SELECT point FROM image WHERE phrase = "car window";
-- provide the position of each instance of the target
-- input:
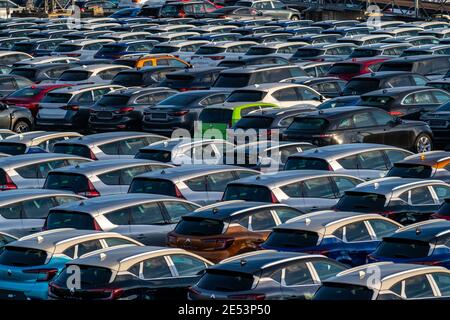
(110, 178)
(186, 265)
(85, 98)
(382, 228)
(306, 94)
(156, 268)
(112, 242)
(12, 211)
(196, 184)
(284, 214)
(88, 246)
(418, 287)
(382, 118)
(443, 282)
(147, 214)
(119, 217)
(37, 208)
(421, 196)
(441, 97)
(327, 269)
(176, 209)
(45, 167)
(318, 188)
(288, 94)
(297, 274)
(442, 192)
(372, 160)
(262, 220)
(396, 155)
(345, 183)
(127, 175)
(218, 181)
(131, 146)
(111, 148)
(28, 172)
(363, 119)
(356, 231)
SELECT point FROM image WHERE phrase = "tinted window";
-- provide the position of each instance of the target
(155, 155)
(63, 181)
(146, 214)
(74, 75)
(186, 265)
(382, 228)
(361, 202)
(340, 291)
(225, 281)
(406, 170)
(12, 148)
(156, 186)
(262, 220)
(156, 268)
(177, 209)
(216, 115)
(64, 219)
(327, 269)
(357, 231)
(297, 274)
(199, 226)
(284, 238)
(37, 208)
(228, 80)
(402, 248)
(302, 163)
(248, 193)
(309, 124)
(22, 257)
(418, 287)
(73, 149)
(92, 276)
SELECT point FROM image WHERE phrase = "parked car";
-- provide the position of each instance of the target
(46, 72)
(10, 83)
(346, 70)
(431, 66)
(14, 118)
(81, 49)
(91, 74)
(201, 78)
(439, 124)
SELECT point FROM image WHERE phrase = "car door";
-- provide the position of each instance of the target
(298, 282)
(421, 204)
(34, 213)
(157, 279)
(366, 130)
(260, 224)
(10, 219)
(393, 132)
(318, 194)
(148, 225)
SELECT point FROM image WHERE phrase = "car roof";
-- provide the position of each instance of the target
(100, 138)
(96, 167)
(23, 194)
(429, 158)
(397, 91)
(31, 136)
(24, 159)
(426, 231)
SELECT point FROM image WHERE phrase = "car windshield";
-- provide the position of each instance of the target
(405, 66)
(376, 101)
(247, 193)
(410, 170)
(364, 53)
(210, 50)
(343, 291)
(22, 257)
(55, 97)
(67, 48)
(286, 238)
(164, 49)
(74, 75)
(402, 248)
(196, 226)
(246, 96)
(179, 100)
(12, 148)
(129, 79)
(26, 73)
(25, 93)
(255, 51)
(361, 202)
(67, 181)
(74, 149)
(304, 163)
(308, 53)
(155, 155)
(91, 276)
(67, 219)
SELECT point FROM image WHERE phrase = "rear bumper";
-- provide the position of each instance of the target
(23, 290)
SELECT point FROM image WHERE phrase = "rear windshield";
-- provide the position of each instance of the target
(402, 248)
(216, 115)
(375, 101)
(359, 86)
(155, 155)
(361, 202)
(342, 291)
(407, 170)
(260, 51)
(155, 186)
(247, 192)
(210, 50)
(405, 66)
(225, 281)
(282, 238)
(67, 48)
(164, 49)
(309, 124)
(363, 53)
(23, 47)
(303, 163)
(408, 53)
(113, 100)
(111, 48)
(194, 226)
(231, 64)
(179, 100)
(65, 219)
(67, 181)
(25, 92)
(91, 276)
(54, 97)
(339, 68)
(125, 62)
(22, 257)
(246, 96)
(74, 75)
(12, 148)
(444, 210)
(254, 122)
(128, 79)
(27, 73)
(230, 80)
(307, 53)
(73, 149)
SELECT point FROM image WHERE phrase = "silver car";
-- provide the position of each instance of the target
(109, 145)
(144, 217)
(30, 170)
(362, 160)
(24, 211)
(99, 177)
(306, 190)
(202, 184)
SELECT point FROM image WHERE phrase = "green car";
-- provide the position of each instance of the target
(224, 116)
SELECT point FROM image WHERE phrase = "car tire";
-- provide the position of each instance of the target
(295, 17)
(423, 143)
(21, 126)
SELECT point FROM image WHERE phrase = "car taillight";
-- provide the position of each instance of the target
(181, 14)
(43, 274)
(96, 225)
(90, 192)
(9, 184)
(396, 113)
(124, 110)
(254, 296)
(70, 108)
(387, 213)
(273, 198)
(217, 57)
(178, 113)
(219, 243)
(171, 239)
(330, 168)
(178, 193)
(92, 155)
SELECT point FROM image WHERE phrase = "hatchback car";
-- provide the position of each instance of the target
(10, 83)
(36, 259)
(265, 275)
(346, 237)
(45, 72)
(439, 122)
(225, 229)
(307, 190)
(141, 60)
(120, 48)
(82, 48)
(90, 74)
(431, 66)
(144, 217)
(108, 145)
(192, 79)
(405, 200)
(426, 242)
(98, 178)
(132, 273)
(362, 160)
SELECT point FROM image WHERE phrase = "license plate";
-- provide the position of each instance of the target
(158, 116)
(104, 115)
(438, 123)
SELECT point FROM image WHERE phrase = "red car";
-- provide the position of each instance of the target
(355, 67)
(29, 97)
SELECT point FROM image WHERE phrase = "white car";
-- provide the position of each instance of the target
(95, 74)
(282, 94)
(183, 49)
(82, 49)
(211, 54)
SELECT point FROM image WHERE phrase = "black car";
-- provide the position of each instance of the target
(359, 124)
(252, 60)
(406, 102)
(338, 102)
(439, 122)
(10, 83)
(329, 87)
(143, 77)
(380, 80)
(124, 109)
(37, 47)
(131, 273)
(42, 72)
(443, 84)
(431, 66)
(17, 119)
(180, 111)
(192, 79)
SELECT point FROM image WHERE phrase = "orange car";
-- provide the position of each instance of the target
(151, 60)
(225, 229)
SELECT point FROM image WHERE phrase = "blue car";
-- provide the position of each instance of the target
(126, 13)
(426, 242)
(347, 237)
(117, 49)
(28, 264)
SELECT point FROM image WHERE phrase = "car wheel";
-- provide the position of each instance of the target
(21, 126)
(423, 143)
(295, 18)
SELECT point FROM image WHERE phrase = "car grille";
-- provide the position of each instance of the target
(437, 123)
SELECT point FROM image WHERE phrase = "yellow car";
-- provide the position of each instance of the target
(151, 60)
